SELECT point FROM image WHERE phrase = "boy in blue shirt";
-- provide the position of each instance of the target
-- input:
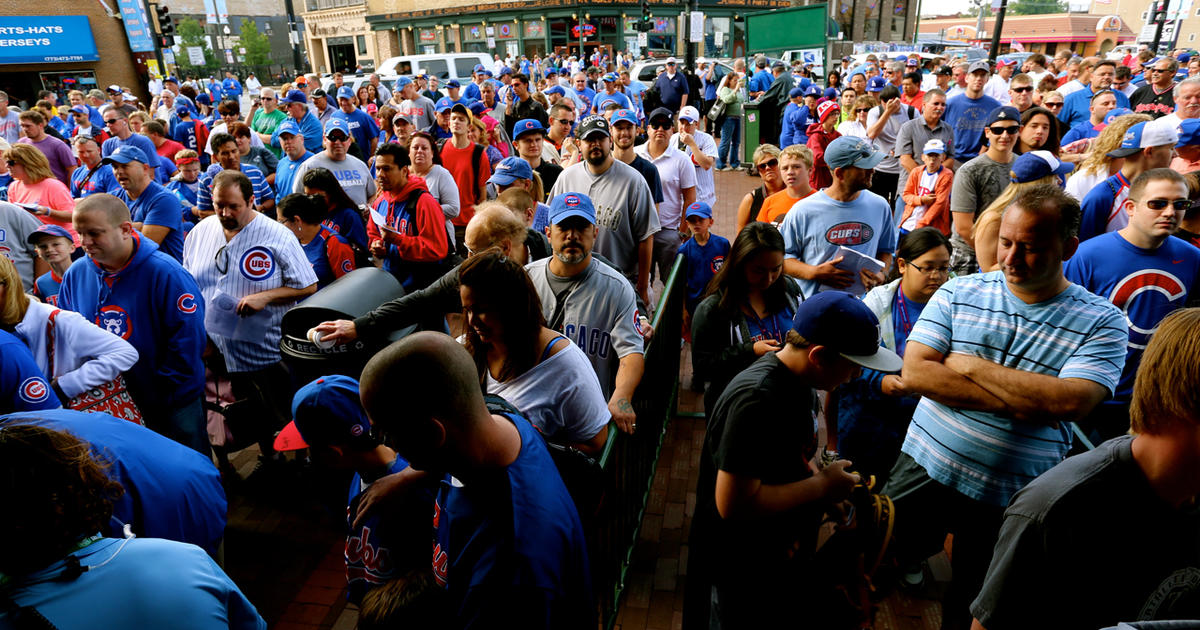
(54, 245)
(703, 254)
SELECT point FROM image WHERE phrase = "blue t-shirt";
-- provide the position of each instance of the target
(5, 180)
(23, 387)
(102, 181)
(761, 81)
(1103, 207)
(1082, 131)
(46, 288)
(604, 97)
(141, 142)
(967, 117)
(773, 327)
(795, 122)
(140, 583)
(986, 456)
(703, 262)
(285, 174)
(185, 134)
(159, 206)
(817, 225)
(1076, 104)
(1147, 285)
(330, 256)
(586, 97)
(362, 127)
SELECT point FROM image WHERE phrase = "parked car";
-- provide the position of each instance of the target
(459, 66)
(647, 71)
(355, 81)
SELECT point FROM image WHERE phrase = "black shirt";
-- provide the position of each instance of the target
(549, 173)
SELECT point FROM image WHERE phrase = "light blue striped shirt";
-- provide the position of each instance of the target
(262, 189)
(990, 457)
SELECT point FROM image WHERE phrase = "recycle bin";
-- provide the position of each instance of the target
(750, 125)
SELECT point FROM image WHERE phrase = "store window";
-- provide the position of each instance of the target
(843, 14)
(899, 21)
(871, 21)
(362, 45)
(661, 41)
(717, 37)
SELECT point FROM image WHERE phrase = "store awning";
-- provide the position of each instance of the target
(46, 39)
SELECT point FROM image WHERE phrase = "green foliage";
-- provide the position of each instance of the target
(191, 33)
(257, 45)
(1036, 7)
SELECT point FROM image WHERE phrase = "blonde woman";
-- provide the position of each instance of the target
(35, 188)
(1097, 166)
(1028, 170)
(766, 163)
(857, 125)
(137, 121)
(84, 355)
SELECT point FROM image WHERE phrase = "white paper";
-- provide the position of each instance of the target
(381, 221)
(854, 261)
(221, 319)
(697, 27)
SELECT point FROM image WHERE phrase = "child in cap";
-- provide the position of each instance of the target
(186, 186)
(819, 137)
(703, 254)
(55, 246)
(927, 192)
(331, 423)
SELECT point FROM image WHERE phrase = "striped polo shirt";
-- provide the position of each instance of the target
(986, 456)
(262, 189)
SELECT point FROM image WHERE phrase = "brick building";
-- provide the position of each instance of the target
(1084, 33)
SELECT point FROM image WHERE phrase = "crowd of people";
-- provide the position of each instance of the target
(952, 275)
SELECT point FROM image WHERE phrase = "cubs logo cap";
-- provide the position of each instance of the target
(402, 82)
(327, 412)
(1034, 165)
(852, 151)
(913, 62)
(689, 114)
(346, 92)
(569, 205)
(698, 209)
(842, 323)
(527, 126)
(453, 83)
(479, 68)
(876, 84)
(1153, 133)
(1189, 132)
(611, 77)
(288, 126)
(336, 124)
(624, 115)
(1115, 114)
(591, 126)
(509, 170)
(443, 105)
(46, 230)
(292, 96)
(126, 154)
(827, 109)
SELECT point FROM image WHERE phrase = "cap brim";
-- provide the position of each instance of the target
(502, 180)
(567, 214)
(883, 360)
(289, 439)
(870, 161)
(1064, 168)
(592, 132)
(1120, 153)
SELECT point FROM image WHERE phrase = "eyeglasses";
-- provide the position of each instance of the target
(931, 270)
(109, 121)
(771, 163)
(862, 109)
(661, 124)
(566, 122)
(1157, 70)
(337, 138)
(222, 255)
(1022, 90)
(1013, 130)
(1179, 205)
(1049, 104)
(268, 98)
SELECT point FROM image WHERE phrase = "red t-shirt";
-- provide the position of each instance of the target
(168, 150)
(458, 162)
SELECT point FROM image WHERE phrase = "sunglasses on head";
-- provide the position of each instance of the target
(1003, 130)
(1179, 205)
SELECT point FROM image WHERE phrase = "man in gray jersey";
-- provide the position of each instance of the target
(16, 224)
(351, 172)
(625, 211)
(419, 110)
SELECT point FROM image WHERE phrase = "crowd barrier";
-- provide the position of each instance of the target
(628, 461)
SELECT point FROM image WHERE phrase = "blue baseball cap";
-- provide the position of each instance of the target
(204, 99)
(611, 77)
(814, 90)
(1034, 165)
(477, 108)
(479, 68)
(171, 79)
(402, 82)
(569, 205)
(345, 92)
(876, 84)
(453, 83)
(327, 412)
(1189, 132)
(509, 170)
(527, 126)
(698, 209)
(48, 229)
(180, 109)
(796, 92)
(852, 151)
(1153, 133)
(1115, 114)
(551, 70)
(831, 92)
(623, 115)
(126, 154)
(505, 70)
(555, 89)
(443, 104)
(841, 322)
(1184, 57)
(292, 96)
(1004, 112)
(288, 126)
(336, 124)
(81, 109)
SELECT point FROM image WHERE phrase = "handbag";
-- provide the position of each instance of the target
(111, 398)
(718, 108)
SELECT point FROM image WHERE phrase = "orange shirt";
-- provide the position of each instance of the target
(776, 206)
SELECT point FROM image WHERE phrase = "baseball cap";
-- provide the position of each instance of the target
(876, 84)
(852, 151)
(505, 70)
(945, 71)
(527, 126)
(1151, 133)
(1006, 62)
(1189, 132)
(689, 114)
(1004, 112)
(1115, 114)
(487, 73)
(935, 146)
(660, 112)
(842, 323)
(402, 82)
(48, 229)
(671, 60)
(847, 58)
(624, 115)
(443, 104)
(453, 83)
(477, 108)
(551, 71)
(115, 89)
(459, 108)
(319, 93)
(80, 109)
(554, 89)
(126, 154)
(326, 411)
(569, 205)
(1184, 57)
(831, 92)
(979, 66)
(292, 96)
(814, 90)
(301, 80)
(180, 109)
(611, 77)
(479, 68)
(345, 92)
(336, 124)
(824, 110)
(171, 79)
(698, 209)
(778, 64)
(1034, 165)
(795, 92)
(509, 170)
(401, 117)
(590, 125)
(288, 126)
(205, 99)
(913, 62)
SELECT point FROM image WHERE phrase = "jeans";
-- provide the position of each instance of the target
(731, 140)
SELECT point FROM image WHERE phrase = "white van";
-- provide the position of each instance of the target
(459, 66)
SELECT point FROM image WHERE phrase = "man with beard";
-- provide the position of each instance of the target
(625, 214)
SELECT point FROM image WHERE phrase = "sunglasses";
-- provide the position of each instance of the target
(661, 124)
(110, 121)
(863, 109)
(566, 122)
(1156, 70)
(1049, 104)
(221, 260)
(10, 163)
(1179, 205)
(771, 163)
(1022, 90)
(1003, 130)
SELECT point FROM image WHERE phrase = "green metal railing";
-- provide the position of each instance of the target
(629, 461)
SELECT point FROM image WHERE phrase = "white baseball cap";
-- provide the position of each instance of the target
(935, 146)
(689, 114)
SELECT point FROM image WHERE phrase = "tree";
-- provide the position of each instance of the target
(257, 45)
(1036, 7)
(191, 33)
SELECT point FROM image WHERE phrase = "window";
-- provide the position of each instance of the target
(465, 66)
(1192, 37)
(362, 44)
(436, 67)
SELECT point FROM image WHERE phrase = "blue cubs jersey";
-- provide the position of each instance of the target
(159, 206)
(349, 223)
(46, 287)
(102, 181)
(23, 387)
(330, 255)
(703, 262)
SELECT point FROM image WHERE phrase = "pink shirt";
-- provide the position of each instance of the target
(50, 193)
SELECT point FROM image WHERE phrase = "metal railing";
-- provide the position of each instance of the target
(629, 461)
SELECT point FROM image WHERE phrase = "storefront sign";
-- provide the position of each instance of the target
(534, 29)
(137, 25)
(428, 35)
(534, 5)
(46, 39)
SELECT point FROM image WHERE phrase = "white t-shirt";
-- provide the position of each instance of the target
(220, 127)
(997, 88)
(675, 172)
(924, 187)
(1080, 184)
(1070, 87)
(561, 396)
(1037, 77)
(706, 189)
(853, 128)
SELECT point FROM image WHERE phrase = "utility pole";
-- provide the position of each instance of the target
(294, 36)
(1159, 16)
(996, 31)
(689, 57)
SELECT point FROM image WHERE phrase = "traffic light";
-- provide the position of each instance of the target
(646, 24)
(166, 26)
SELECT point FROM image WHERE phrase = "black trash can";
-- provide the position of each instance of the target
(351, 296)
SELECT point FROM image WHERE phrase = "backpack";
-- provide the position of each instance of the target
(476, 158)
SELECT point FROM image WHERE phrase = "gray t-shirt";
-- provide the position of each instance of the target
(624, 210)
(16, 224)
(441, 185)
(915, 133)
(351, 173)
(599, 314)
(420, 110)
(976, 185)
(886, 140)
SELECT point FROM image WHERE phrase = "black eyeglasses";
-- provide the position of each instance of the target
(1003, 130)
(337, 139)
(566, 122)
(931, 270)
(1049, 104)
(862, 109)
(1179, 205)
(222, 254)
(1022, 90)
(1157, 70)
(109, 121)
(661, 124)
(771, 163)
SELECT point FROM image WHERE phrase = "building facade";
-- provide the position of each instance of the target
(337, 36)
(870, 22)
(1084, 34)
(1183, 20)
